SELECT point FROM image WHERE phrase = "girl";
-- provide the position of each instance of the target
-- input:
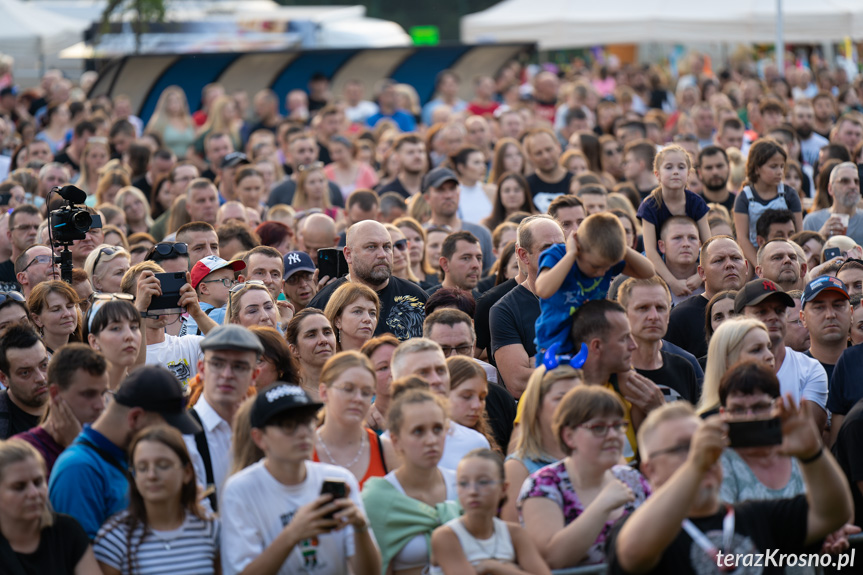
(163, 530)
(54, 311)
(763, 190)
(313, 192)
(401, 256)
(114, 328)
(513, 195)
(719, 308)
(476, 196)
(416, 237)
(671, 167)
(353, 311)
(312, 342)
(574, 161)
(347, 388)
(251, 303)
(172, 121)
(276, 235)
(346, 171)
(478, 542)
(106, 265)
(467, 393)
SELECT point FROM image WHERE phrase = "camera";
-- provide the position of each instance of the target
(71, 222)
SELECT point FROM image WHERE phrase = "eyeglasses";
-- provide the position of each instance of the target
(350, 390)
(480, 484)
(601, 429)
(11, 295)
(237, 367)
(43, 259)
(309, 167)
(400, 245)
(681, 449)
(227, 282)
(25, 227)
(108, 251)
(755, 409)
(166, 251)
(460, 350)
(299, 277)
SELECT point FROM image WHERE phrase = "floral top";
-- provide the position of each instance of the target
(553, 482)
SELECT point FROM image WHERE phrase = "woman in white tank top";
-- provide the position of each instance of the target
(475, 201)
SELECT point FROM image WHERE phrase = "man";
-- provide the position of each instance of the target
(329, 122)
(851, 274)
(594, 198)
(53, 175)
(357, 108)
(647, 303)
(423, 357)
(160, 165)
(778, 262)
(413, 163)
(227, 170)
(460, 263)
(392, 207)
(202, 201)
(173, 257)
(369, 253)
(826, 314)
(298, 283)
(550, 179)
(388, 108)
(71, 155)
(23, 229)
(303, 150)
(638, 158)
(23, 370)
(774, 225)
(89, 480)
(317, 232)
(217, 145)
(713, 171)
(843, 217)
(511, 124)
(201, 241)
(35, 265)
(512, 320)
(731, 134)
(77, 383)
(441, 191)
(824, 107)
(679, 243)
(722, 267)
(446, 94)
(796, 334)
(40, 150)
(568, 211)
(212, 278)
(705, 124)
(680, 457)
(265, 264)
(360, 205)
(848, 132)
(229, 368)
(798, 374)
(802, 119)
(266, 106)
(479, 135)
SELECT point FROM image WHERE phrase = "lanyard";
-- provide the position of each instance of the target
(705, 543)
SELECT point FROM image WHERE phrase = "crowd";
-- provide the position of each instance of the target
(506, 335)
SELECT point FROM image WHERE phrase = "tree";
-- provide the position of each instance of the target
(145, 11)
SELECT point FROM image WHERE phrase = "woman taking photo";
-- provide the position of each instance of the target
(476, 196)
(163, 530)
(346, 171)
(251, 303)
(513, 195)
(134, 204)
(467, 392)
(569, 507)
(276, 363)
(33, 539)
(113, 327)
(54, 311)
(313, 192)
(172, 121)
(418, 496)
(380, 350)
(346, 389)
(312, 342)
(416, 237)
(401, 256)
(353, 311)
(106, 265)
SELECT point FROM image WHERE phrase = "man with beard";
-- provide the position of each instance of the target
(713, 170)
(550, 179)
(848, 132)
(413, 163)
(460, 262)
(679, 243)
(777, 261)
(803, 118)
(843, 217)
(23, 372)
(369, 253)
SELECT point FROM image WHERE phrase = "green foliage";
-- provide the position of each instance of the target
(144, 10)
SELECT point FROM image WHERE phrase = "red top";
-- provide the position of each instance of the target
(377, 467)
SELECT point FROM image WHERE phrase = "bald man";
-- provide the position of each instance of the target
(318, 232)
(369, 253)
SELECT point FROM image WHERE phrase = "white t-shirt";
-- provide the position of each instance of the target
(255, 508)
(179, 354)
(803, 377)
(474, 204)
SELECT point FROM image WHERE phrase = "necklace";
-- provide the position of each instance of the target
(333, 459)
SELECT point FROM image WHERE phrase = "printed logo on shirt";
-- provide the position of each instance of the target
(181, 371)
(576, 299)
(308, 548)
(406, 316)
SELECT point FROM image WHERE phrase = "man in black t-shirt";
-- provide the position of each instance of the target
(680, 457)
(24, 371)
(826, 313)
(550, 179)
(413, 164)
(303, 150)
(369, 253)
(846, 449)
(71, 155)
(713, 171)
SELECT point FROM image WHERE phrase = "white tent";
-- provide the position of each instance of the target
(557, 24)
(34, 37)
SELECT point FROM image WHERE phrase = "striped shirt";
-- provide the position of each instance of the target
(189, 550)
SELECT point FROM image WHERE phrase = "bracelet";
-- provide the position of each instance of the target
(812, 458)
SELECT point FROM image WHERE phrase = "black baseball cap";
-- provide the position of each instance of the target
(756, 291)
(154, 388)
(279, 398)
(234, 159)
(437, 178)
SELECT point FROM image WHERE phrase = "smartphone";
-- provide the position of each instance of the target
(337, 488)
(831, 253)
(332, 263)
(168, 302)
(755, 432)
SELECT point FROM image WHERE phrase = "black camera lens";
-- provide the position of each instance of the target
(82, 221)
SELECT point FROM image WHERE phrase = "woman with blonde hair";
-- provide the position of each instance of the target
(106, 266)
(95, 155)
(353, 311)
(347, 388)
(244, 451)
(415, 234)
(251, 303)
(346, 171)
(55, 313)
(110, 184)
(172, 121)
(134, 204)
(313, 191)
(401, 256)
(223, 118)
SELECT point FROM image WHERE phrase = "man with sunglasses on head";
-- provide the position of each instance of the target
(24, 224)
(172, 257)
(212, 277)
(34, 266)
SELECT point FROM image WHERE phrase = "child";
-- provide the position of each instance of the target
(479, 542)
(581, 270)
(763, 190)
(212, 277)
(671, 198)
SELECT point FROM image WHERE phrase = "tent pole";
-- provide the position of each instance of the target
(780, 44)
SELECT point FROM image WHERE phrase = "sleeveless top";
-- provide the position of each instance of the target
(474, 205)
(756, 208)
(377, 467)
(498, 546)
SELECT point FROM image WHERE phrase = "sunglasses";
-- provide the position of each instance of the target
(97, 300)
(11, 295)
(43, 259)
(167, 251)
(309, 167)
(109, 251)
(400, 245)
(239, 287)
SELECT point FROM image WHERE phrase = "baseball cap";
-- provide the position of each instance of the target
(154, 388)
(820, 284)
(9, 91)
(437, 177)
(279, 398)
(234, 159)
(297, 262)
(756, 291)
(206, 266)
(232, 336)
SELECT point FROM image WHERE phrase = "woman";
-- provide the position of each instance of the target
(630, 227)
(13, 309)
(54, 311)
(719, 308)
(276, 363)
(96, 154)
(56, 128)
(476, 199)
(569, 507)
(244, 451)
(353, 311)
(467, 392)
(418, 495)
(507, 264)
(251, 303)
(164, 529)
(513, 195)
(508, 158)
(106, 265)
(313, 192)
(574, 162)
(415, 234)
(161, 196)
(38, 540)
(401, 256)
(345, 171)
(380, 350)
(109, 185)
(276, 235)
(114, 236)
(534, 445)
(113, 327)
(479, 542)
(249, 188)
(222, 118)
(434, 242)
(736, 339)
(346, 389)
(312, 342)
(172, 121)
(134, 204)
(855, 337)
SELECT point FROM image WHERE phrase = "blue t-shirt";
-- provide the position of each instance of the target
(403, 120)
(553, 323)
(648, 211)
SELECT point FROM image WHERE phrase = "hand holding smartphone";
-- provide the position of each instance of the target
(335, 487)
